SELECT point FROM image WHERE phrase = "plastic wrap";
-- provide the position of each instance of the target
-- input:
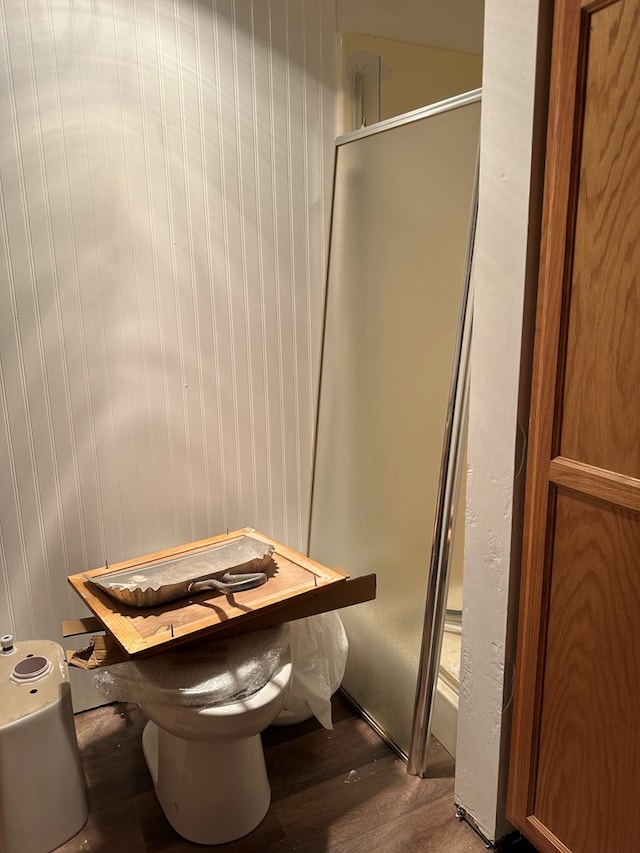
(319, 648)
(212, 673)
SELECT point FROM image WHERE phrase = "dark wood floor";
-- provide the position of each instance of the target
(339, 791)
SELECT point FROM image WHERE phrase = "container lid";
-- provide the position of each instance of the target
(30, 679)
(30, 669)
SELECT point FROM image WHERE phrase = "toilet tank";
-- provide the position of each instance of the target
(42, 791)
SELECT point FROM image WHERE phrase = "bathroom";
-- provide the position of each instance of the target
(221, 417)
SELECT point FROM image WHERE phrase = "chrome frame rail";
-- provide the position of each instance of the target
(414, 115)
(438, 583)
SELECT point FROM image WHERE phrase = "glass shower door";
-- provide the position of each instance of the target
(402, 205)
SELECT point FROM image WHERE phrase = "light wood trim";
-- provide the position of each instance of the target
(275, 611)
(596, 482)
(103, 651)
(557, 194)
(301, 589)
(353, 591)
(537, 829)
(75, 627)
(592, 6)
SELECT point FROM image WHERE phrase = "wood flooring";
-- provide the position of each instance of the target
(338, 791)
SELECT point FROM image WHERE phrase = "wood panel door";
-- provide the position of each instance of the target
(575, 758)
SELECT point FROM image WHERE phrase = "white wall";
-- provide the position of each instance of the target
(411, 75)
(504, 269)
(454, 24)
(165, 179)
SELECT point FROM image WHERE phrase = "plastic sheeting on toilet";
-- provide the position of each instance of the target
(226, 670)
(211, 673)
(319, 648)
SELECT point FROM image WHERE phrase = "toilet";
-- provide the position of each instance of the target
(207, 708)
(207, 764)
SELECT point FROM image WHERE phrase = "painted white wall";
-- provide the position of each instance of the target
(165, 186)
(497, 418)
(454, 24)
(411, 76)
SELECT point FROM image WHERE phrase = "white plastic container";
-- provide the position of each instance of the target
(42, 792)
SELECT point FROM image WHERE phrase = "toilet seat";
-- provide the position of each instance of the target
(241, 718)
(217, 672)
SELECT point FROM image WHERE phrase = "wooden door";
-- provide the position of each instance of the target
(575, 760)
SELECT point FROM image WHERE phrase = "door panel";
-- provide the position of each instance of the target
(601, 392)
(591, 683)
(575, 754)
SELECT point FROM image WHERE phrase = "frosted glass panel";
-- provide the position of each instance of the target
(398, 246)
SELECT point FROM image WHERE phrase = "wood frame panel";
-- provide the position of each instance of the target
(299, 587)
(596, 482)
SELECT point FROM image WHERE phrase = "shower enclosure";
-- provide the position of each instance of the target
(398, 270)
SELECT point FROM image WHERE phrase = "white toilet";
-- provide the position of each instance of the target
(207, 707)
(207, 764)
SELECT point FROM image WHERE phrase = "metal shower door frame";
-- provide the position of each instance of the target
(450, 466)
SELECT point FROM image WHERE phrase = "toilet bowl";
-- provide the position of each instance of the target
(207, 704)
(207, 762)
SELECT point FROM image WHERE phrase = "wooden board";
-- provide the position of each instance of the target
(296, 587)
